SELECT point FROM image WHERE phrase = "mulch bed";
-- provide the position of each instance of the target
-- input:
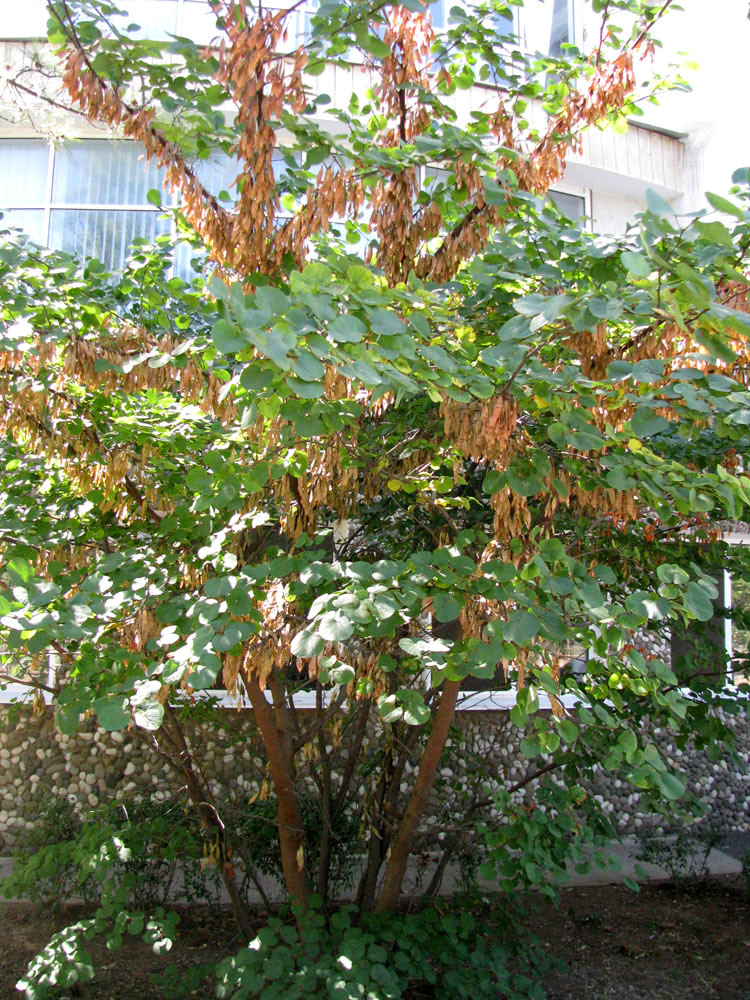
(667, 942)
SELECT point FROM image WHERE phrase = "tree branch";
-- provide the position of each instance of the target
(423, 783)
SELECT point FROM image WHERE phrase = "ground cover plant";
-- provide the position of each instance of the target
(665, 942)
(404, 428)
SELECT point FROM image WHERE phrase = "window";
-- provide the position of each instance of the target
(159, 19)
(540, 25)
(88, 198)
(545, 26)
(194, 19)
(572, 205)
(701, 651)
(298, 26)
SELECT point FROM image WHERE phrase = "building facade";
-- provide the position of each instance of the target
(89, 197)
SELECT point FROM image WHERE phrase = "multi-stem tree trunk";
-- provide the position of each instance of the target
(425, 779)
(389, 843)
(201, 798)
(288, 814)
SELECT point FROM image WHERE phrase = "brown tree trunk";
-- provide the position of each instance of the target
(377, 844)
(326, 816)
(407, 828)
(288, 815)
(206, 809)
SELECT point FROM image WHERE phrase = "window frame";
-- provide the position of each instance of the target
(48, 205)
(583, 194)
(517, 16)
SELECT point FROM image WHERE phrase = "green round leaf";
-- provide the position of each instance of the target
(446, 607)
(111, 712)
(335, 627)
(307, 644)
(149, 715)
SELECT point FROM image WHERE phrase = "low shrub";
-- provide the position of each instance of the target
(46, 858)
(683, 856)
(255, 827)
(159, 851)
(136, 845)
(383, 958)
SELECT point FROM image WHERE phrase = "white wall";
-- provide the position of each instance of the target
(714, 35)
(612, 214)
(27, 19)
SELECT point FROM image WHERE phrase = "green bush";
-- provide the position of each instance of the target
(46, 862)
(256, 829)
(126, 855)
(135, 845)
(683, 855)
(162, 844)
(158, 851)
(65, 961)
(379, 959)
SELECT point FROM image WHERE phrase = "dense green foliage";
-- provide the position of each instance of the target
(376, 479)
(453, 953)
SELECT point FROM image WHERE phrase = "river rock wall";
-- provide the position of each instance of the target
(93, 768)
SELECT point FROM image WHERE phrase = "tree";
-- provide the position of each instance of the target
(374, 474)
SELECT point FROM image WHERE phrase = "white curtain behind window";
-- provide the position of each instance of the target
(23, 173)
(92, 172)
(105, 235)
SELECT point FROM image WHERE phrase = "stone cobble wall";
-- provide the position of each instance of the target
(94, 768)
(723, 786)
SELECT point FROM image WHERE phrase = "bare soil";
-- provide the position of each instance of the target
(668, 942)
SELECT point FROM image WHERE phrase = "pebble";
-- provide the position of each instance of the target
(92, 768)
